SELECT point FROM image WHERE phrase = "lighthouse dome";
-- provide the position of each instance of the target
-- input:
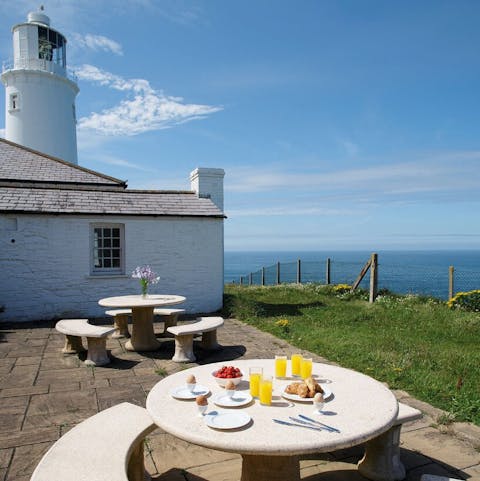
(38, 17)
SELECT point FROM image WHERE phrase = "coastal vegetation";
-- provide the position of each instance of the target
(413, 343)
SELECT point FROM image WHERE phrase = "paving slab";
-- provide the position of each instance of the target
(44, 394)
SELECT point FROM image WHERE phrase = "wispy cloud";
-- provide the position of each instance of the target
(144, 109)
(447, 172)
(289, 210)
(97, 43)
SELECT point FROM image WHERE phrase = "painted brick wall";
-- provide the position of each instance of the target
(45, 264)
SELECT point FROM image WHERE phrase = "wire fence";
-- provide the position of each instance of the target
(398, 278)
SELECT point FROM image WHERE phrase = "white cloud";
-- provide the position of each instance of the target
(289, 209)
(443, 172)
(144, 109)
(97, 43)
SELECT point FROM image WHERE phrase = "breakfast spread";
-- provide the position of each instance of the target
(304, 389)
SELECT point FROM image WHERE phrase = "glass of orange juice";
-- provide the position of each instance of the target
(296, 360)
(306, 367)
(255, 377)
(280, 366)
(266, 387)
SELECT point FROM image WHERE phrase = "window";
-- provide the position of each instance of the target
(107, 248)
(14, 103)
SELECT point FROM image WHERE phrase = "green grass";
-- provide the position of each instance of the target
(413, 343)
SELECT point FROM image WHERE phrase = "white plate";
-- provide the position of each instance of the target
(240, 398)
(295, 397)
(227, 419)
(182, 392)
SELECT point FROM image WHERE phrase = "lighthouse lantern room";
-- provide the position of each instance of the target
(40, 94)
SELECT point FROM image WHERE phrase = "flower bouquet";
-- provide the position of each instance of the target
(146, 276)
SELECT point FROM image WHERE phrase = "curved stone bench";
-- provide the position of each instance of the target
(104, 447)
(120, 319)
(207, 326)
(120, 322)
(381, 461)
(75, 329)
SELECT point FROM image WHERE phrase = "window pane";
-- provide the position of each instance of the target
(107, 248)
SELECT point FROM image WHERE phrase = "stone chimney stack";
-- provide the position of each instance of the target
(208, 183)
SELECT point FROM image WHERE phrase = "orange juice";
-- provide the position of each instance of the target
(255, 377)
(280, 366)
(306, 368)
(255, 383)
(266, 390)
(296, 360)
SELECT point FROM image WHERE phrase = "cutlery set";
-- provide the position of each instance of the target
(308, 423)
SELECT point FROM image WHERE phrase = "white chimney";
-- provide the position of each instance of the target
(208, 183)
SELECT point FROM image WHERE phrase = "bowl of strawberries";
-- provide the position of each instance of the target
(227, 373)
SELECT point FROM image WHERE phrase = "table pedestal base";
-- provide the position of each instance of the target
(382, 457)
(143, 337)
(270, 468)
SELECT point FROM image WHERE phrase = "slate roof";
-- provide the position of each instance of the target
(31, 182)
(23, 164)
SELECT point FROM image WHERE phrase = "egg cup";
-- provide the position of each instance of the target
(202, 410)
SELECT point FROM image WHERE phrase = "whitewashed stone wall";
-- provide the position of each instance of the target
(45, 264)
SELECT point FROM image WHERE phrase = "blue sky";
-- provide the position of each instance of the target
(340, 124)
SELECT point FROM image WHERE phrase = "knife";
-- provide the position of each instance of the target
(330, 428)
(279, 421)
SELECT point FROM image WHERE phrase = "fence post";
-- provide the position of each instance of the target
(241, 280)
(278, 273)
(327, 273)
(373, 277)
(263, 276)
(299, 271)
(250, 279)
(451, 272)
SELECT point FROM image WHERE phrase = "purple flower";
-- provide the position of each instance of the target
(145, 274)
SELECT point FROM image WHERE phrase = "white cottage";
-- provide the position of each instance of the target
(70, 236)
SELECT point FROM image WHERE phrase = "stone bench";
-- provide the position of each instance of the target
(120, 319)
(207, 326)
(381, 461)
(104, 447)
(75, 329)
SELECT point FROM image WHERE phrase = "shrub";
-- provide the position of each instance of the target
(468, 301)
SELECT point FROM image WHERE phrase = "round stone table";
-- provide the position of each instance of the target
(143, 337)
(360, 408)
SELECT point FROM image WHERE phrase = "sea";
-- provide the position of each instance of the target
(403, 272)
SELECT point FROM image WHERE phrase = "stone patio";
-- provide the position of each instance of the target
(44, 394)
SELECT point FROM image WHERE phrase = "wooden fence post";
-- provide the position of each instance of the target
(327, 274)
(250, 279)
(263, 276)
(451, 272)
(299, 271)
(241, 280)
(373, 277)
(278, 273)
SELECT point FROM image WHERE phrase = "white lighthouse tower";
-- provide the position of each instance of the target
(40, 96)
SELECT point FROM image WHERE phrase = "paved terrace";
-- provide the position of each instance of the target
(43, 394)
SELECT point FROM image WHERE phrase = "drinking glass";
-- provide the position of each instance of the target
(280, 366)
(266, 387)
(255, 377)
(306, 367)
(296, 360)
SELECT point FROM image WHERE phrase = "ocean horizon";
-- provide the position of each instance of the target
(402, 271)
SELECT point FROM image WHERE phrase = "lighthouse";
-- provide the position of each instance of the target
(40, 94)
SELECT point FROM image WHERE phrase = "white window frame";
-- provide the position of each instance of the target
(14, 102)
(95, 256)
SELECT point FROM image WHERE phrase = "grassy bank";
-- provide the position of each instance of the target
(412, 343)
